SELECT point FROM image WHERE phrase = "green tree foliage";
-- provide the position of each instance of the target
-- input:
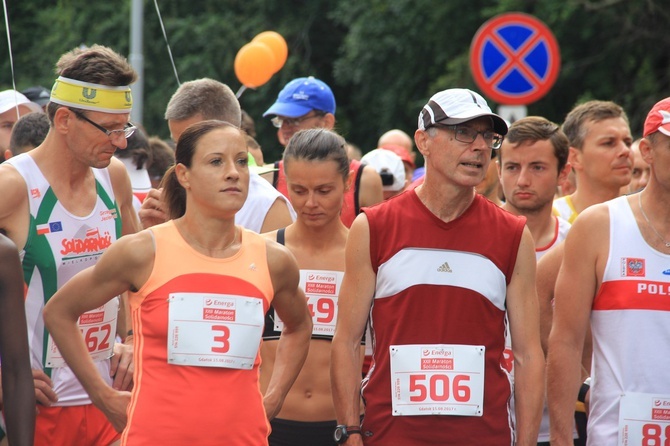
(383, 58)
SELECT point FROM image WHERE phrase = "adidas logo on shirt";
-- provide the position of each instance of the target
(444, 268)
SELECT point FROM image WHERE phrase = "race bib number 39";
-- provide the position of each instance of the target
(214, 330)
(644, 419)
(98, 327)
(437, 379)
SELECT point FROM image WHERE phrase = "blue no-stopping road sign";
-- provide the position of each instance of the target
(514, 59)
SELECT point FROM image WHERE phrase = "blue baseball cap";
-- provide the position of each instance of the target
(302, 95)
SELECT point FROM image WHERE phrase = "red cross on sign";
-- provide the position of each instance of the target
(514, 59)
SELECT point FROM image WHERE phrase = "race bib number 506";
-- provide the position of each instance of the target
(437, 379)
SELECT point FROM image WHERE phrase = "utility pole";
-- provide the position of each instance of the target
(136, 58)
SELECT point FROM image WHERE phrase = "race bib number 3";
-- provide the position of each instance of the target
(98, 327)
(437, 379)
(644, 419)
(214, 330)
(321, 289)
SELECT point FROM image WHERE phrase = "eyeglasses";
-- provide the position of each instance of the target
(294, 122)
(126, 131)
(468, 135)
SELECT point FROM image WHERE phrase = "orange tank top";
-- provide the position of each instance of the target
(190, 404)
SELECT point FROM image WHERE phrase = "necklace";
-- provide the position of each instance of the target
(639, 202)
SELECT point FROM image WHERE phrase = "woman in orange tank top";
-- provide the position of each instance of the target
(199, 288)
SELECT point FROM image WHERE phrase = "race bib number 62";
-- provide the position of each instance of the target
(437, 379)
(98, 328)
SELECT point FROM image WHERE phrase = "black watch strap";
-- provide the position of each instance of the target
(342, 433)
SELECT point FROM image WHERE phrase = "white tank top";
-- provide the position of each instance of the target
(262, 196)
(560, 232)
(59, 245)
(630, 322)
(564, 208)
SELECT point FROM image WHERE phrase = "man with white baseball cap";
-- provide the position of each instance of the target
(13, 105)
(441, 271)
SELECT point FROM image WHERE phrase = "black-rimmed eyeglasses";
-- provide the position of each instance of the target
(126, 131)
(468, 135)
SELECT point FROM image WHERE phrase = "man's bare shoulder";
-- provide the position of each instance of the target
(118, 173)
(132, 252)
(13, 188)
(593, 215)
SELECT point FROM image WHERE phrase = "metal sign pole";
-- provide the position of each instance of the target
(136, 59)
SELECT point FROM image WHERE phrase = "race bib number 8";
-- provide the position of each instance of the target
(644, 419)
(437, 379)
(98, 327)
(214, 330)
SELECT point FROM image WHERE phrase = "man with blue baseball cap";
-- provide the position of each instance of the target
(308, 103)
(304, 103)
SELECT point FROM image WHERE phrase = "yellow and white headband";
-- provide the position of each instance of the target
(94, 97)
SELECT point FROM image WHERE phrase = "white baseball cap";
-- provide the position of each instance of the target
(456, 106)
(389, 166)
(12, 98)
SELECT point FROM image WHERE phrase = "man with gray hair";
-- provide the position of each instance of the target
(439, 300)
(200, 100)
(265, 208)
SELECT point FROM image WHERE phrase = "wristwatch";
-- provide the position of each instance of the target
(342, 432)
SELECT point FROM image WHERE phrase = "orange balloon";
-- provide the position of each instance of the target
(278, 46)
(254, 64)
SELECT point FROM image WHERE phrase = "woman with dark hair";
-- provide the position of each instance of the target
(317, 174)
(199, 287)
